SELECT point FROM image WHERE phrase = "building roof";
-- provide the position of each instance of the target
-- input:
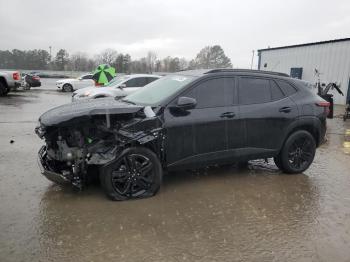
(307, 44)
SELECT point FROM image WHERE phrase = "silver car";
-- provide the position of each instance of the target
(118, 87)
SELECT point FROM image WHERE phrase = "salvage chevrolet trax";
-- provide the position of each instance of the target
(182, 121)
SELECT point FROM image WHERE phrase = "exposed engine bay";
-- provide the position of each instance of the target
(80, 142)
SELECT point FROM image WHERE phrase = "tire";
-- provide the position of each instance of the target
(7, 91)
(278, 161)
(123, 178)
(27, 87)
(3, 89)
(297, 153)
(67, 88)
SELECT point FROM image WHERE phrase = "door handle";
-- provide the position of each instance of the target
(285, 109)
(228, 115)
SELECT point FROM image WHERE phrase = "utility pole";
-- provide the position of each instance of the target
(50, 53)
(251, 64)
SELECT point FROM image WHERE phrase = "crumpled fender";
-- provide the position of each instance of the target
(85, 109)
(143, 131)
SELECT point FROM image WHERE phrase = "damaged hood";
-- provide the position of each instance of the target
(86, 108)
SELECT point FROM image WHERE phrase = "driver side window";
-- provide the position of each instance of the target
(217, 92)
(136, 82)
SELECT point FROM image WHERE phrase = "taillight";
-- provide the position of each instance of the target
(16, 76)
(325, 105)
(98, 84)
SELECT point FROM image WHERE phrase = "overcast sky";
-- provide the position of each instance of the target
(170, 27)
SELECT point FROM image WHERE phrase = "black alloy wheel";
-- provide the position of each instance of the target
(135, 174)
(297, 153)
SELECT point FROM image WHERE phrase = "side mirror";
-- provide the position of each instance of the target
(186, 103)
(122, 86)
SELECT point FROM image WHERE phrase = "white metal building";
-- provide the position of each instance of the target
(331, 59)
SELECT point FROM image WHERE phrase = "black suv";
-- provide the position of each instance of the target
(185, 120)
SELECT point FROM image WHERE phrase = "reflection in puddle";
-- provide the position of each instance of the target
(346, 143)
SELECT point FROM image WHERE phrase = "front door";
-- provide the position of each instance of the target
(198, 136)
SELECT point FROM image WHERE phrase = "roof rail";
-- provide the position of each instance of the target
(245, 71)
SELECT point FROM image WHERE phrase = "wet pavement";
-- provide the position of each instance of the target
(218, 214)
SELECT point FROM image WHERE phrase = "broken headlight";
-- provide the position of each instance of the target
(40, 130)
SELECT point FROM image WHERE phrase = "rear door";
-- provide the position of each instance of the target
(267, 112)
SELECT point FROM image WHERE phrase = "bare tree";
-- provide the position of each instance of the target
(151, 61)
(107, 56)
(79, 62)
(183, 63)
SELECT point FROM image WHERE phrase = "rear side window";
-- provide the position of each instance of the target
(276, 92)
(254, 91)
(151, 79)
(216, 92)
(87, 77)
(287, 88)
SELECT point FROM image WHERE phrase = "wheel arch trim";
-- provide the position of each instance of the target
(311, 124)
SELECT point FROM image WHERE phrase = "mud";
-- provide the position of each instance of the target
(219, 214)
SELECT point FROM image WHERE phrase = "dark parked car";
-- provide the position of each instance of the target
(32, 80)
(183, 121)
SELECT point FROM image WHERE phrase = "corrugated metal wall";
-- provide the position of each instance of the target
(332, 60)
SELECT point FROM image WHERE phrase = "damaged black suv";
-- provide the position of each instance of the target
(185, 120)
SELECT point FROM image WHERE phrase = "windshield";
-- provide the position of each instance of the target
(155, 92)
(117, 80)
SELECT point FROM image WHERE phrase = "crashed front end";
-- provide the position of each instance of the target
(77, 142)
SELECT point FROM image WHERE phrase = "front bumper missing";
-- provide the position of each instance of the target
(48, 172)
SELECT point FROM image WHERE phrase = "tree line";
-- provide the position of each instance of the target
(39, 59)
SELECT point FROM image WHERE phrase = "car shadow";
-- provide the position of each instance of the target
(16, 99)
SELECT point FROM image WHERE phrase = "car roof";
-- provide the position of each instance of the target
(143, 75)
(202, 72)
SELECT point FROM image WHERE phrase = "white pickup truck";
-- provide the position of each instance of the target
(9, 80)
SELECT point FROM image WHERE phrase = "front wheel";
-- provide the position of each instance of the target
(136, 173)
(297, 153)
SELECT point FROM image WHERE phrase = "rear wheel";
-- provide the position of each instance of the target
(67, 88)
(297, 153)
(3, 89)
(136, 173)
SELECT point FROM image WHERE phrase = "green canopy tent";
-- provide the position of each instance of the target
(103, 74)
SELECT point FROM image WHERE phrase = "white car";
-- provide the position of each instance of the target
(118, 87)
(71, 84)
